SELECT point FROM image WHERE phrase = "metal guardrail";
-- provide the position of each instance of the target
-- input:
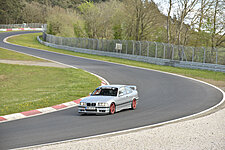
(24, 25)
(152, 60)
(145, 48)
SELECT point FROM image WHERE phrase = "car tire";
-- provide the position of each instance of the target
(112, 108)
(134, 104)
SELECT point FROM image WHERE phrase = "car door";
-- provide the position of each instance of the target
(129, 96)
(122, 99)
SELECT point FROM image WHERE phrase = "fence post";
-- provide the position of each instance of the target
(93, 44)
(70, 42)
(81, 42)
(133, 47)
(156, 49)
(61, 40)
(122, 45)
(97, 44)
(164, 51)
(182, 55)
(107, 42)
(216, 55)
(193, 54)
(140, 48)
(84, 42)
(147, 49)
(172, 51)
(204, 55)
(50, 39)
(126, 46)
(78, 42)
(102, 44)
(88, 45)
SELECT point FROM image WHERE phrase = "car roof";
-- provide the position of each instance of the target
(112, 86)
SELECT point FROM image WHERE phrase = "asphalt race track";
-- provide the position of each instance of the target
(163, 97)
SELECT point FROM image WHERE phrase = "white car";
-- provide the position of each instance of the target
(109, 99)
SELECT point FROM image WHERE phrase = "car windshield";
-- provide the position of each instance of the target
(105, 92)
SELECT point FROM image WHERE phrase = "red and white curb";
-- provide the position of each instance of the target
(44, 110)
(22, 29)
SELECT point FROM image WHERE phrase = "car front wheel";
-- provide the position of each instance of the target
(134, 104)
(112, 108)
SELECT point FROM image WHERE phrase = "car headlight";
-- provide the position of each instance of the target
(82, 103)
(103, 104)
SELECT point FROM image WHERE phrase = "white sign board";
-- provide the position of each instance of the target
(118, 47)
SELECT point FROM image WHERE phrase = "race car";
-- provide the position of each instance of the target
(109, 99)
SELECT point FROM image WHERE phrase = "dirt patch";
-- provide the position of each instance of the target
(3, 77)
(33, 63)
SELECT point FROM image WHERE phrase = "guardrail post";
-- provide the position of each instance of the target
(156, 49)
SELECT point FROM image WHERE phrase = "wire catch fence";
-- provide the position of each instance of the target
(145, 48)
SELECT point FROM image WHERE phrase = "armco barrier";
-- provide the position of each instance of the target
(157, 61)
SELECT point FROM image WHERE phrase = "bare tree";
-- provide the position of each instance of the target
(218, 24)
(168, 21)
(185, 7)
(141, 17)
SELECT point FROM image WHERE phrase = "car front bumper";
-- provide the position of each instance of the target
(93, 110)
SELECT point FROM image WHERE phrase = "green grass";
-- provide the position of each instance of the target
(24, 88)
(11, 55)
(29, 40)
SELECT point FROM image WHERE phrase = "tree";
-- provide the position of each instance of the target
(141, 17)
(101, 18)
(10, 11)
(218, 25)
(169, 21)
(34, 13)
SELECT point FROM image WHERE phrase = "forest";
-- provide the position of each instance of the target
(181, 22)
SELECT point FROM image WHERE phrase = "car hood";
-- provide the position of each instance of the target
(95, 99)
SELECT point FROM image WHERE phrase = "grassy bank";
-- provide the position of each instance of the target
(216, 78)
(24, 88)
(11, 55)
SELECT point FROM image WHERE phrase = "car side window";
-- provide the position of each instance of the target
(122, 91)
(128, 90)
